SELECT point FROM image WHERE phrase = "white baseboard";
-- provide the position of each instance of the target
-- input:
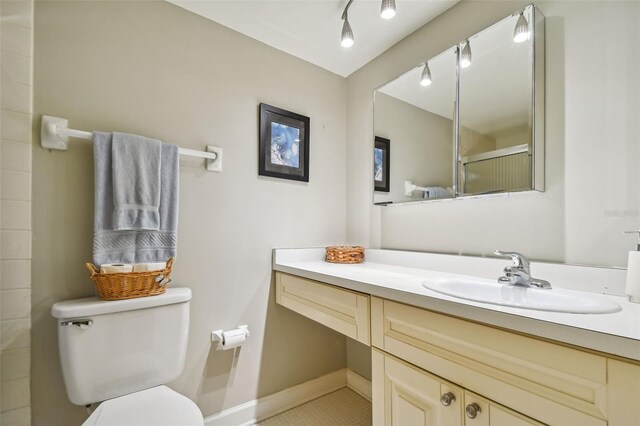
(259, 409)
(359, 384)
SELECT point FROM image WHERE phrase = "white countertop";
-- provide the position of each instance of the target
(615, 333)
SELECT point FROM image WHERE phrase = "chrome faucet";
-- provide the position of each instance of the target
(520, 272)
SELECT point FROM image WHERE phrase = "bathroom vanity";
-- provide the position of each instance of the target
(438, 359)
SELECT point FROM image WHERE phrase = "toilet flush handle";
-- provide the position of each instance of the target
(83, 324)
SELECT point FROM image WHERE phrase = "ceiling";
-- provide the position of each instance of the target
(310, 29)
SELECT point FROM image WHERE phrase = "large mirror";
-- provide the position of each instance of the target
(469, 121)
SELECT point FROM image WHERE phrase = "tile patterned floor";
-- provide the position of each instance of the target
(343, 407)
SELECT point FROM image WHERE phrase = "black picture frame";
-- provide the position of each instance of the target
(381, 164)
(285, 155)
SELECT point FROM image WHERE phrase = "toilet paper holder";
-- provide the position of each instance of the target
(238, 335)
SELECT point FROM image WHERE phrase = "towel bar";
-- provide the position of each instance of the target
(54, 134)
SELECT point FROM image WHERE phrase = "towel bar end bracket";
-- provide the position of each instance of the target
(214, 165)
(49, 136)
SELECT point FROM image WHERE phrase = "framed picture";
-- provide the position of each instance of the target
(381, 161)
(284, 144)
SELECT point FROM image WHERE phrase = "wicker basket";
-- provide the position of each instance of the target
(128, 285)
(345, 254)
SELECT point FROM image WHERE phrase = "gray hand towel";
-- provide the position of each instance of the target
(136, 163)
(133, 246)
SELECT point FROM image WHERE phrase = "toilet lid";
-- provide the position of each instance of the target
(151, 407)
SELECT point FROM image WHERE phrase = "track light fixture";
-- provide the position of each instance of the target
(347, 34)
(465, 58)
(425, 78)
(521, 32)
(347, 39)
(388, 9)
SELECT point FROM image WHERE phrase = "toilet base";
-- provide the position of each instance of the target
(157, 406)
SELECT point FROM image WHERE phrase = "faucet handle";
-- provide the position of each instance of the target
(519, 260)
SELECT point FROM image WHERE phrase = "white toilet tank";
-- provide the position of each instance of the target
(113, 348)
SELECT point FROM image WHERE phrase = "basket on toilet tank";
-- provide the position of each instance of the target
(128, 285)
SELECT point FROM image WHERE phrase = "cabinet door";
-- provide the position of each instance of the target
(404, 395)
(624, 391)
(476, 410)
(479, 411)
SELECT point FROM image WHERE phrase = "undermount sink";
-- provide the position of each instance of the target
(554, 300)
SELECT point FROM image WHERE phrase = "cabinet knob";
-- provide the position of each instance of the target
(472, 410)
(447, 399)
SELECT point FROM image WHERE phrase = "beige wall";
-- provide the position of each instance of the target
(16, 58)
(154, 69)
(592, 150)
(513, 136)
(472, 142)
(359, 358)
(421, 146)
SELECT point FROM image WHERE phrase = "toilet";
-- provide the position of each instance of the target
(121, 353)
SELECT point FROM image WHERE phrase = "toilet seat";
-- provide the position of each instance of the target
(157, 406)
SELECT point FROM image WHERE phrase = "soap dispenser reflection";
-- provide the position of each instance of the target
(632, 289)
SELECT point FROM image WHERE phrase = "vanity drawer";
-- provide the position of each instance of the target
(342, 310)
(546, 381)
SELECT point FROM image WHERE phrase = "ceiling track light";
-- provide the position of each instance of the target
(347, 34)
(425, 78)
(465, 58)
(388, 9)
(347, 39)
(521, 32)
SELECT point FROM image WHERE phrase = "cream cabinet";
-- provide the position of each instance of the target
(405, 395)
(535, 379)
(342, 310)
(479, 411)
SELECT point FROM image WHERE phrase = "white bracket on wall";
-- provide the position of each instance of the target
(49, 136)
(215, 165)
